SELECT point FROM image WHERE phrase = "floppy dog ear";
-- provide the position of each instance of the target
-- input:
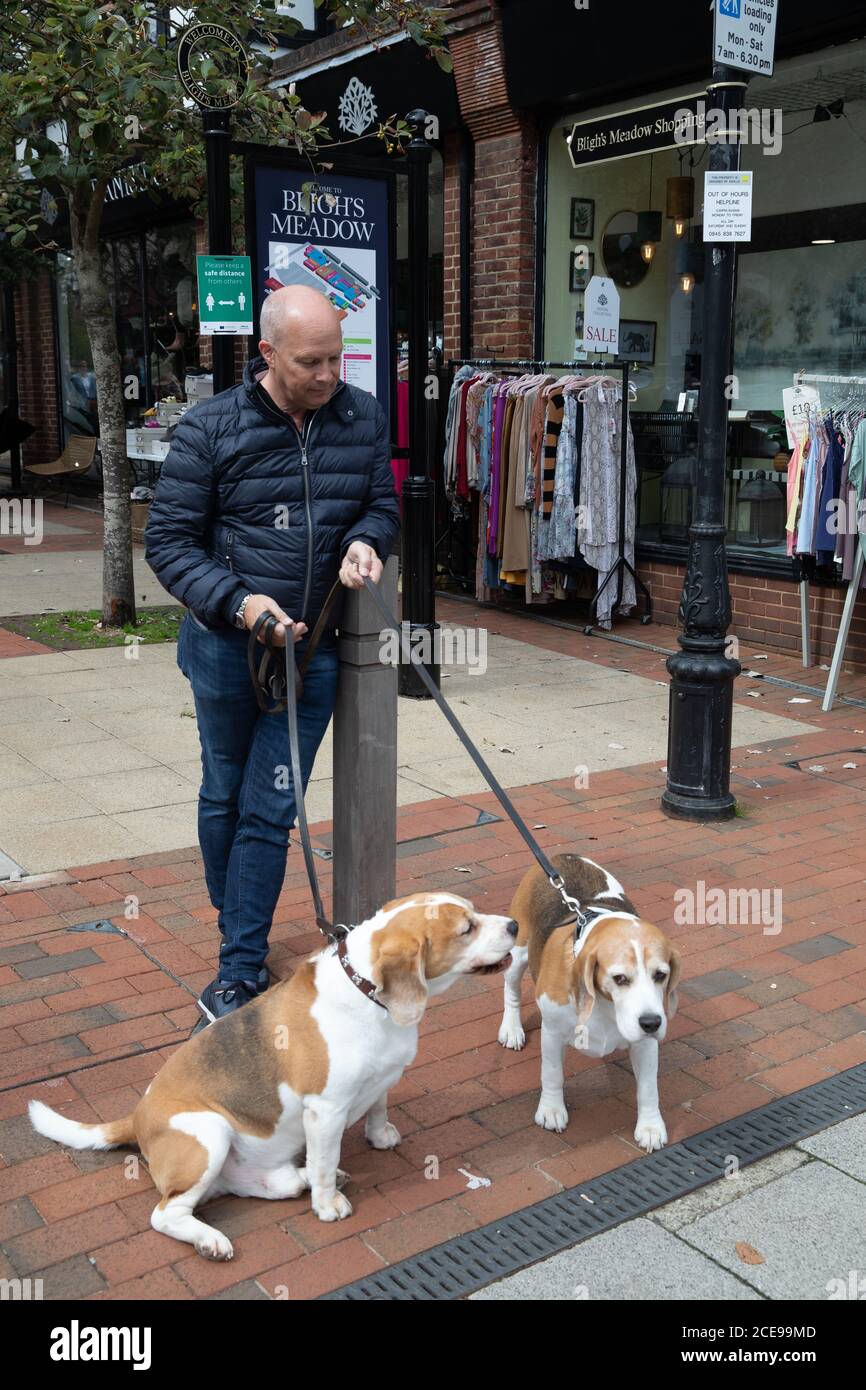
(672, 982)
(399, 973)
(584, 976)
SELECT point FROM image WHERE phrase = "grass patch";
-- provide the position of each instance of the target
(79, 631)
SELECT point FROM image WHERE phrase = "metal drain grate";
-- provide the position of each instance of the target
(466, 1263)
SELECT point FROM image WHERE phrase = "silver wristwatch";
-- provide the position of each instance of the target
(239, 615)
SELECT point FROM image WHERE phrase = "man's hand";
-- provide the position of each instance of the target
(260, 603)
(359, 560)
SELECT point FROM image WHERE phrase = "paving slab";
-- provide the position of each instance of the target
(132, 766)
(843, 1146)
(635, 1261)
(809, 1226)
(675, 1216)
(50, 581)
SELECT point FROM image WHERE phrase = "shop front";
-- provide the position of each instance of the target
(618, 178)
(800, 299)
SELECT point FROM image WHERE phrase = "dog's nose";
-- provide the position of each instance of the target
(650, 1023)
(511, 927)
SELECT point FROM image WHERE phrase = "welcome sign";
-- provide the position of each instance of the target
(330, 232)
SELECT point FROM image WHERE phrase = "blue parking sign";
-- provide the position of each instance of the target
(744, 36)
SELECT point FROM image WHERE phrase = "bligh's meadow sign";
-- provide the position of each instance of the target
(642, 130)
(203, 46)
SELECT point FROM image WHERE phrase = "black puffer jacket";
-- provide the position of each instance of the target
(241, 508)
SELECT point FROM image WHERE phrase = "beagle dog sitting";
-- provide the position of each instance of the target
(233, 1109)
(611, 985)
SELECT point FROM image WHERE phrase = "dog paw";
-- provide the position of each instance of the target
(335, 1208)
(342, 1177)
(512, 1035)
(215, 1246)
(651, 1133)
(550, 1115)
(286, 1185)
(388, 1137)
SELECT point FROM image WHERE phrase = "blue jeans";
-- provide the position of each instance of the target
(246, 802)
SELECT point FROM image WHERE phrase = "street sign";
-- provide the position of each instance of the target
(727, 205)
(744, 34)
(601, 316)
(225, 295)
(213, 66)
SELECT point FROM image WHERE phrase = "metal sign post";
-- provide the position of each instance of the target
(702, 674)
(214, 70)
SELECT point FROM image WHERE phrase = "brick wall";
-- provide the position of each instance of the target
(451, 244)
(767, 611)
(502, 273)
(37, 376)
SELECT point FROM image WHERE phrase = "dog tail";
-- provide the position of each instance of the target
(77, 1135)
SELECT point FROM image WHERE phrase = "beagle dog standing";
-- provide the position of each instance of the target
(233, 1109)
(610, 986)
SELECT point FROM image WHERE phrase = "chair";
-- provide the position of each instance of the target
(77, 457)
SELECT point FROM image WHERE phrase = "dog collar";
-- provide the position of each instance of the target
(365, 986)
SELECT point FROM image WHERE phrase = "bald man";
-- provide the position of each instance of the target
(270, 491)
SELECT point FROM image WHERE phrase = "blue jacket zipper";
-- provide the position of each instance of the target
(305, 472)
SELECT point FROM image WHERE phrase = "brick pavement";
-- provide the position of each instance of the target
(87, 1017)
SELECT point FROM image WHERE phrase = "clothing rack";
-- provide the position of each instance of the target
(800, 379)
(534, 364)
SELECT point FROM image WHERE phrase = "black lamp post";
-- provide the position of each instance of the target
(418, 491)
(702, 675)
(227, 68)
(217, 134)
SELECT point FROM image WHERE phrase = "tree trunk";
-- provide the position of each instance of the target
(118, 589)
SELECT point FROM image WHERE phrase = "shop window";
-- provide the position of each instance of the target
(435, 258)
(172, 319)
(77, 385)
(151, 285)
(800, 301)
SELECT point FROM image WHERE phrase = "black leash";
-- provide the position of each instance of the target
(285, 688)
(555, 878)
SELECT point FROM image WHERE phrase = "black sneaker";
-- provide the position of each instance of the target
(223, 997)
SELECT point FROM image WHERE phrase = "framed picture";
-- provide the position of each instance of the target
(637, 341)
(582, 218)
(579, 279)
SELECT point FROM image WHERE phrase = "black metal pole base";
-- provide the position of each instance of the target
(683, 808)
(699, 732)
(423, 638)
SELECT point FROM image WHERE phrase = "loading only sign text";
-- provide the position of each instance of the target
(744, 34)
